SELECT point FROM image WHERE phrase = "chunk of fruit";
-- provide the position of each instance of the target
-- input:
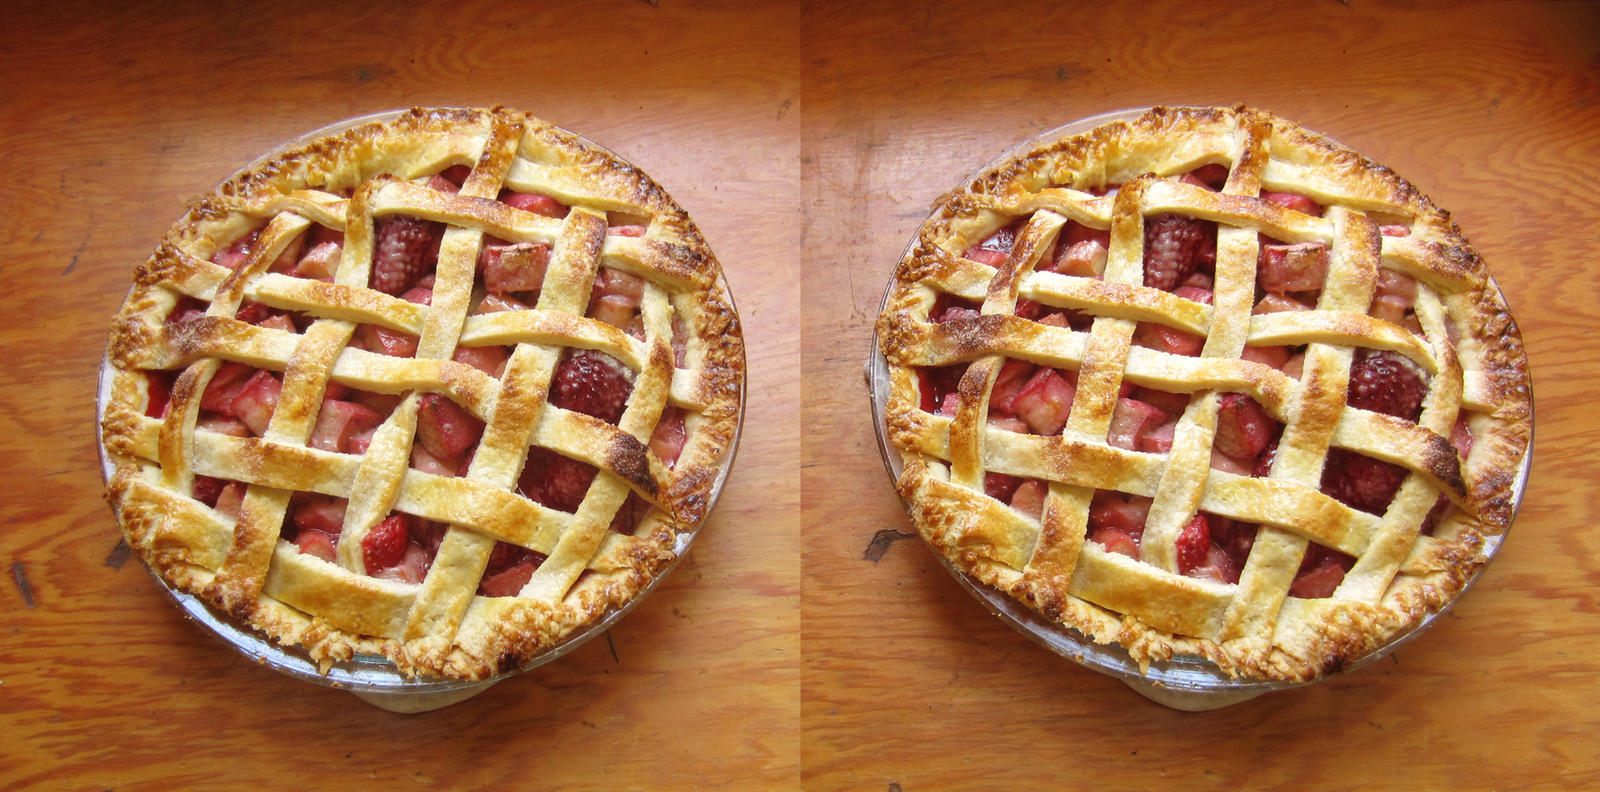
(1361, 482)
(514, 268)
(234, 255)
(1194, 293)
(411, 568)
(1174, 247)
(1228, 464)
(1292, 268)
(403, 250)
(507, 582)
(1044, 401)
(444, 428)
(1029, 498)
(1000, 486)
(1086, 259)
(554, 480)
(494, 303)
(1243, 427)
(1126, 513)
(1295, 201)
(1168, 339)
(320, 262)
(320, 513)
(256, 401)
(385, 545)
(1131, 420)
(1273, 303)
(537, 203)
(1194, 544)
(1116, 541)
(339, 421)
(426, 462)
(666, 442)
(490, 360)
(1318, 582)
(1173, 404)
(1159, 439)
(317, 543)
(1014, 374)
(224, 387)
(1385, 382)
(592, 383)
(1212, 176)
(1274, 356)
(627, 230)
(382, 340)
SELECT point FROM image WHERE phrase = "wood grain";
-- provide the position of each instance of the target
(1491, 108)
(115, 117)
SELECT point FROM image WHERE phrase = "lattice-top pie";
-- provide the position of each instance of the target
(446, 387)
(1203, 382)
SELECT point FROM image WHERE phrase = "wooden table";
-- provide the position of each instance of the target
(808, 140)
(1491, 108)
(113, 119)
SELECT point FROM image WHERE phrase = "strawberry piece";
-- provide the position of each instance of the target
(1085, 259)
(494, 303)
(1395, 296)
(1217, 566)
(319, 513)
(1295, 201)
(1361, 482)
(1029, 498)
(1115, 510)
(514, 268)
(421, 295)
(444, 428)
(986, 256)
(319, 544)
(554, 480)
(1159, 439)
(339, 421)
(1385, 382)
(1292, 268)
(947, 307)
(948, 407)
(508, 582)
(411, 568)
(443, 184)
(256, 401)
(490, 360)
(592, 383)
(279, 322)
(627, 230)
(231, 500)
(385, 545)
(1168, 339)
(456, 174)
(1235, 539)
(628, 515)
(1003, 239)
(1000, 486)
(382, 340)
(1212, 176)
(251, 312)
(537, 203)
(1194, 544)
(1174, 247)
(1264, 460)
(404, 248)
(158, 392)
(666, 442)
(1044, 401)
(935, 382)
(207, 489)
(1243, 427)
(1131, 420)
(1318, 583)
(626, 287)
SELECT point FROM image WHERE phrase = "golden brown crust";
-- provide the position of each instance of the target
(1465, 341)
(342, 181)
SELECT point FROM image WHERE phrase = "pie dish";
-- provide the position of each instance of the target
(448, 387)
(1204, 385)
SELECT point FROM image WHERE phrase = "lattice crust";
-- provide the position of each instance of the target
(683, 353)
(1458, 334)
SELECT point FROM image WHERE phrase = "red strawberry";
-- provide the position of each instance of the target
(668, 439)
(1212, 176)
(592, 383)
(1131, 421)
(509, 582)
(1000, 486)
(1295, 201)
(1125, 513)
(1194, 544)
(1292, 268)
(444, 428)
(1029, 498)
(1265, 459)
(554, 480)
(1385, 382)
(1116, 541)
(456, 174)
(256, 401)
(1361, 482)
(317, 543)
(1174, 247)
(1044, 401)
(513, 268)
(385, 545)
(403, 249)
(206, 489)
(490, 360)
(338, 422)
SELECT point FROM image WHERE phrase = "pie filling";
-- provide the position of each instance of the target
(1083, 320)
(554, 370)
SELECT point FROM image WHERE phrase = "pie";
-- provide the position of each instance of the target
(1201, 382)
(445, 387)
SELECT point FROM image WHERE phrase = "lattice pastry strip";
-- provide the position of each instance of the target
(446, 387)
(1205, 382)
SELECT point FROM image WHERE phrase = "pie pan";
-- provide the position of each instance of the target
(374, 678)
(1186, 682)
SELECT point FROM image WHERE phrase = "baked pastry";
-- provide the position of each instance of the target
(1202, 382)
(446, 387)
